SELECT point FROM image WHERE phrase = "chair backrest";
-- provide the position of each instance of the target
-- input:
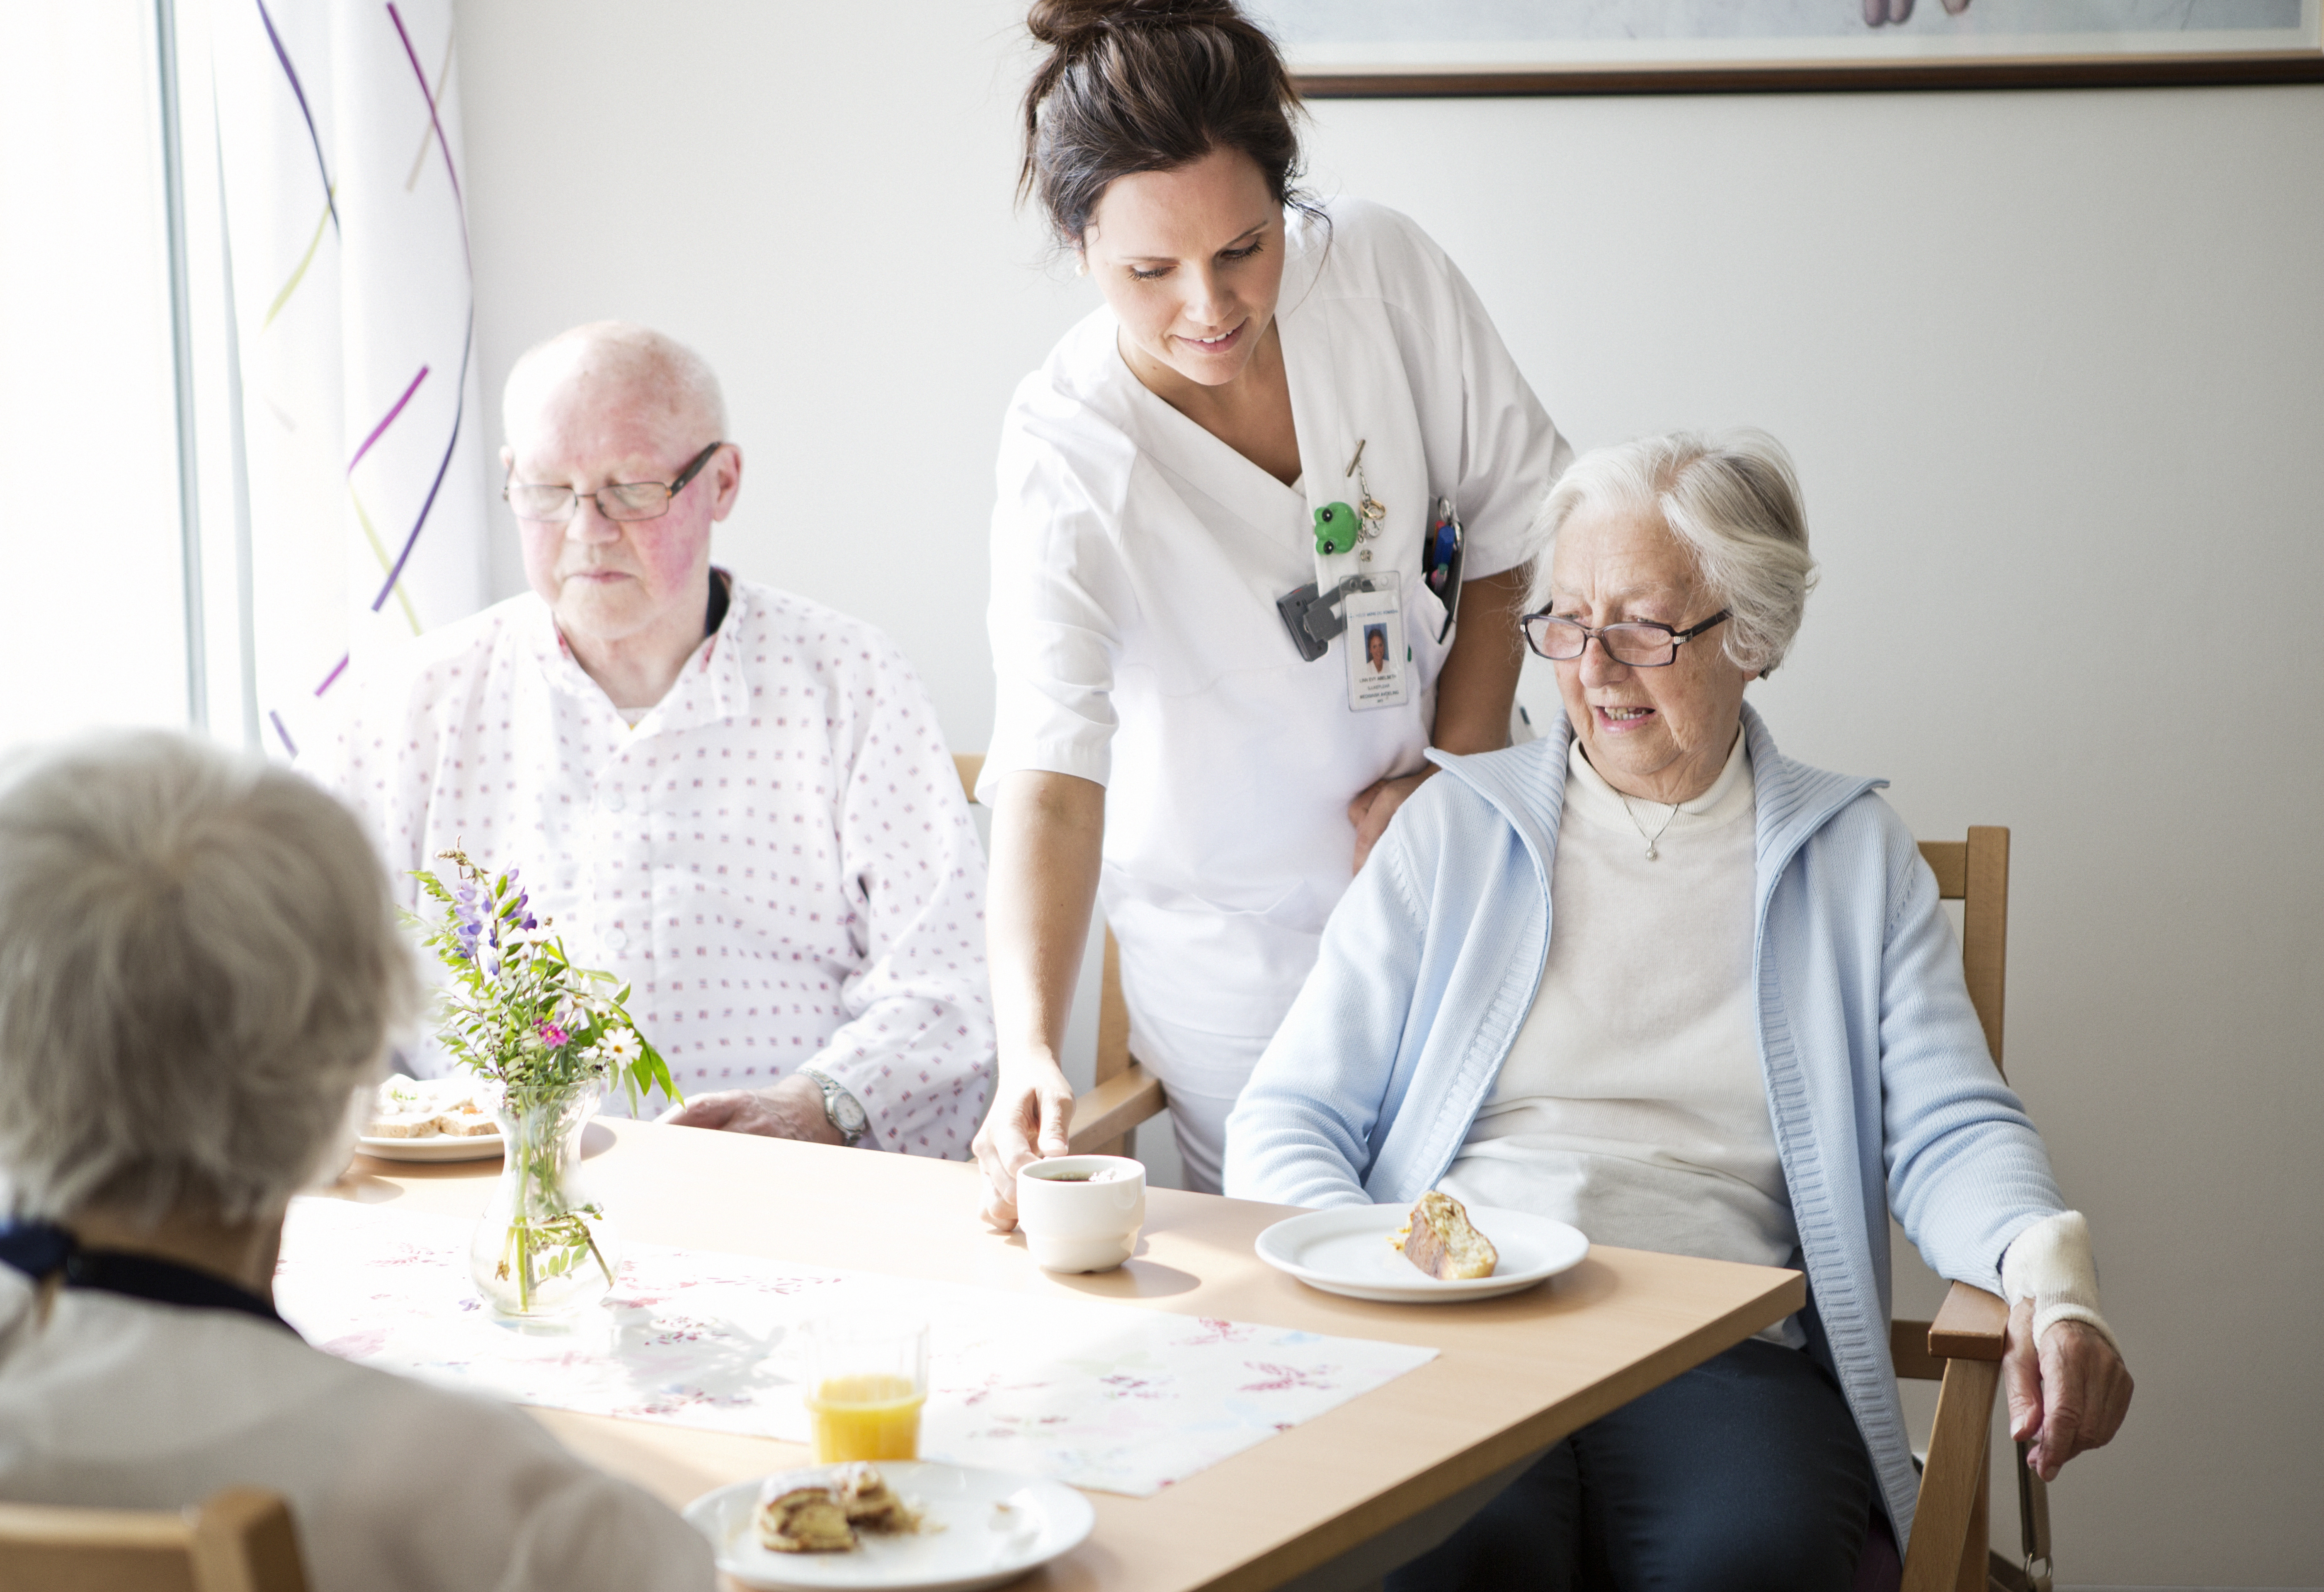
(240, 1541)
(1975, 873)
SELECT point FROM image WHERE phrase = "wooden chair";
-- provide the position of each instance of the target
(240, 1540)
(1960, 1350)
(1125, 1094)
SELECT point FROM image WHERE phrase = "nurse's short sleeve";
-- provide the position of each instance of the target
(1508, 453)
(1061, 597)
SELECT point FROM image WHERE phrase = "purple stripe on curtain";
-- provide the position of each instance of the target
(468, 338)
(390, 420)
(313, 137)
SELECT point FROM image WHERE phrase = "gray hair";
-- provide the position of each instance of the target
(1731, 499)
(680, 380)
(199, 966)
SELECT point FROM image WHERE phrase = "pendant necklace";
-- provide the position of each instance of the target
(1649, 839)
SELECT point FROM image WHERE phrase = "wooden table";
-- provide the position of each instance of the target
(1385, 1474)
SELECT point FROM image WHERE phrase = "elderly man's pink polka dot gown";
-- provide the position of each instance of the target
(777, 858)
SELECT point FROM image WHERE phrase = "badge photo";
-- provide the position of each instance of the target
(1380, 664)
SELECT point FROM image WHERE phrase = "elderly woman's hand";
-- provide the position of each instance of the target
(2067, 1394)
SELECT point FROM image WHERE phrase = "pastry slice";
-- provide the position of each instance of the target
(402, 1125)
(803, 1518)
(871, 1504)
(1439, 1241)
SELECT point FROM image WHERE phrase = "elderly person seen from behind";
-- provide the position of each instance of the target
(1650, 977)
(199, 970)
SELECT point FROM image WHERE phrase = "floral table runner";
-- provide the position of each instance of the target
(1106, 1396)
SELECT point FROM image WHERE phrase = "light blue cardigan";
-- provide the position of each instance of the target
(1882, 1093)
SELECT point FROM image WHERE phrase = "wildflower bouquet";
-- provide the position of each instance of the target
(552, 1035)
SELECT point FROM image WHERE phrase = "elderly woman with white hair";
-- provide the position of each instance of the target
(199, 970)
(1650, 977)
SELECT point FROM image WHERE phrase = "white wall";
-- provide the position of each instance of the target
(2050, 366)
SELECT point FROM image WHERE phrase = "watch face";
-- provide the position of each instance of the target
(846, 1113)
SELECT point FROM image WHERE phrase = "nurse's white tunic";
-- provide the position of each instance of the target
(1136, 564)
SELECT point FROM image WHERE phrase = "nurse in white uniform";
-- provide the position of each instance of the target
(1228, 614)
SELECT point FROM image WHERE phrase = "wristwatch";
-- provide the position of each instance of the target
(845, 1112)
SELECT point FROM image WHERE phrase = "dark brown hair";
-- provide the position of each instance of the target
(1150, 86)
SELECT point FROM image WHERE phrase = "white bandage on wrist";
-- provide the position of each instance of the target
(2049, 1263)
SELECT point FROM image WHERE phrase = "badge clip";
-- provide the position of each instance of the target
(1315, 620)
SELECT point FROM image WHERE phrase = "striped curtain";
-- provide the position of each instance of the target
(354, 310)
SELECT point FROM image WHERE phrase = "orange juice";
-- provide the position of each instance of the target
(865, 1417)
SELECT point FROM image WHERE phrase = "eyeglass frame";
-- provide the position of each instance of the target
(670, 489)
(1678, 637)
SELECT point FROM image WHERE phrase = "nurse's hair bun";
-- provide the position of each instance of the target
(1133, 85)
(1067, 24)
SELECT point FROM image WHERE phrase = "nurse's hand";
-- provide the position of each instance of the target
(1376, 804)
(1030, 1108)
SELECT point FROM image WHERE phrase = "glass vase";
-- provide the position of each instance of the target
(544, 1247)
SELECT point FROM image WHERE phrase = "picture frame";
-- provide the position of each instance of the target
(1364, 49)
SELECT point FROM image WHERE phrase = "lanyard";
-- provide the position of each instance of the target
(40, 1250)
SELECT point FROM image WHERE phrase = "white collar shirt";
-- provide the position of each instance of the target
(778, 858)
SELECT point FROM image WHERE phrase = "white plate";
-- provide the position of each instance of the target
(1351, 1249)
(435, 1146)
(995, 1526)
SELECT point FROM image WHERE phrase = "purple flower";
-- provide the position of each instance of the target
(553, 1036)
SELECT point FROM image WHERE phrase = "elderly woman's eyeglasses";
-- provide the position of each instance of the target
(1640, 643)
(625, 500)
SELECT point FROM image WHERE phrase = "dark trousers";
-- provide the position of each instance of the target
(1744, 1473)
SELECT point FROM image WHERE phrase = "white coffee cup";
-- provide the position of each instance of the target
(1080, 1213)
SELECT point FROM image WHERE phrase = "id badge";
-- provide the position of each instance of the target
(1379, 661)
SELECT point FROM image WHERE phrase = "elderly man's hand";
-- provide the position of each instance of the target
(792, 1109)
(1030, 1109)
(2067, 1394)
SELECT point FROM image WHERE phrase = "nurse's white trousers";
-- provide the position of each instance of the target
(1202, 1074)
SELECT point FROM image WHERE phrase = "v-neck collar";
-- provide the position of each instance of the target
(1201, 461)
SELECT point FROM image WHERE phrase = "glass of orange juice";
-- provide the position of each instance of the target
(867, 1377)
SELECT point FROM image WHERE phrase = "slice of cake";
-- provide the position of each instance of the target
(1439, 1241)
(803, 1518)
(871, 1504)
(820, 1509)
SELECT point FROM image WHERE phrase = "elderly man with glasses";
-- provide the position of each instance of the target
(735, 799)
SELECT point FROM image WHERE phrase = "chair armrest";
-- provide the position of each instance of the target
(1908, 1351)
(1972, 1326)
(1112, 1108)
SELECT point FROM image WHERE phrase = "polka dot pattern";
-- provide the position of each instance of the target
(776, 858)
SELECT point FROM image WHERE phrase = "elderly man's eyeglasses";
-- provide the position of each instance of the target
(625, 500)
(1640, 643)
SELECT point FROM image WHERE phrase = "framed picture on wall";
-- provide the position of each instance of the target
(1354, 47)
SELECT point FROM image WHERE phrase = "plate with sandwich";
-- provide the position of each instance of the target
(1432, 1251)
(901, 1526)
(432, 1119)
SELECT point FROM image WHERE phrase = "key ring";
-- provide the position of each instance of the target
(1370, 510)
